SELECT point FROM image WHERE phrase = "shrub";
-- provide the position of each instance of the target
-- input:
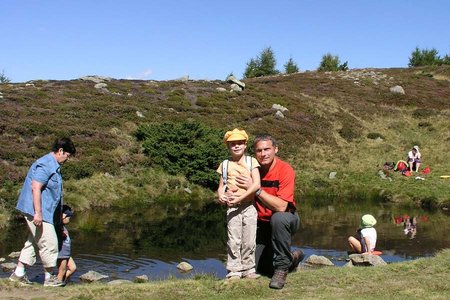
(423, 113)
(4, 78)
(332, 63)
(290, 67)
(263, 65)
(186, 148)
(424, 57)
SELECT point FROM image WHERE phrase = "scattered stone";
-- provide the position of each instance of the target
(397, 90)
(130, 94)
(316, 260)
(366, 260)
(184, 266)
(280, 108)
(221, 89)
(235, 88)
(188, 190)
(14, 254)
(233, 80)
(279, 115)
(139, 114)
(2, 259)
(119, 281)
(100, 85)
(8, 267)
(29, 84)
(332, 175)
(92, 276)
(141, 279)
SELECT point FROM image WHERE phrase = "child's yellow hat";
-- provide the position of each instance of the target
(235, 135)
(368, 221)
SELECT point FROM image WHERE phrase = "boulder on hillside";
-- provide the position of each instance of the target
(141, 279)
(8, 267)
(231, 79)
(184, 266)
(397, 90)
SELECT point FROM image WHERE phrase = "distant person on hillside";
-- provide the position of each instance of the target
(40, 201)
(66, 264)
(241, 212)
(366, 236)
(414, 159)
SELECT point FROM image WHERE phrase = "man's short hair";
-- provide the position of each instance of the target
(66, 144)
(264, 137)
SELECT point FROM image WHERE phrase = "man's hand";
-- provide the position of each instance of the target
(244, 182)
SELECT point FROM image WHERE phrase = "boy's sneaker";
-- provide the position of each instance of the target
(297, 257)
(22, 280)
(278, 279)
(54, 282)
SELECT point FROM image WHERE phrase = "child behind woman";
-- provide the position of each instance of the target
(241, 212)
(66, 264)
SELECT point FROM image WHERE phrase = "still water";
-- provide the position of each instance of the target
(125, 244)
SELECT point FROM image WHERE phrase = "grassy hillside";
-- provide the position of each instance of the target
(347, 122)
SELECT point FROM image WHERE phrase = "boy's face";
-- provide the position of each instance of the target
(237, 147)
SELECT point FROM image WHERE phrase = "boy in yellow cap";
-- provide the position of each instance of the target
(241, 212)
(366, 238)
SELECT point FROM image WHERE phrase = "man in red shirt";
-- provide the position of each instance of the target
(277, 216)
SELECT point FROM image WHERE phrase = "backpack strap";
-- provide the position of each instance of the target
(248, 162)
(225, 172)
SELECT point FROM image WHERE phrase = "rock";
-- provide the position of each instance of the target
(14, 254)
(280, 108)
(315, 260)
(279, 115)
(397, 90)
(92, 276)
(332, 175)
(233, 80)
(184, 266)
(96, 78)
(8, 267)
(366, 260)
(221, 89)
(119, 281)
(100, 85)
(139, 114)
(188, 190)
(184, 78)
(141, 279)
(235, 88)
(2, 259)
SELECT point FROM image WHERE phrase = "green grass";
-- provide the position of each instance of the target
(425, 278)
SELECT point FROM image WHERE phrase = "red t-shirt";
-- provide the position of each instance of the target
(280, 182)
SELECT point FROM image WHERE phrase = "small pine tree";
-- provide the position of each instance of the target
(290, 67)
(332, 63)
(424, 57)
(4, 78)
(263, 65)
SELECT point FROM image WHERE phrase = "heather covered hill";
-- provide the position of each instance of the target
(345, 122)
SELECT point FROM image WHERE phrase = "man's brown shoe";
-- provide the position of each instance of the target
(297, 257)
(278, 279)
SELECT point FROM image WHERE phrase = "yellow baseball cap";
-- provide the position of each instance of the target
(235, 135)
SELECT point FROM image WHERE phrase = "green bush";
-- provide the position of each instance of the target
(375, 135)
(424, 57)
(290, 67)
(188, 148)
(263, 65)
(332, 63)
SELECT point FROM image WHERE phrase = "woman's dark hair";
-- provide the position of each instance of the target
(66, 144)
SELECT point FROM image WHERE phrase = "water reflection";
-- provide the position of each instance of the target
(125, 244)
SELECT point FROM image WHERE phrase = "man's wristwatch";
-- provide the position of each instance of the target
(258, 192)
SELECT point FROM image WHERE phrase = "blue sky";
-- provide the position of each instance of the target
(165, 39)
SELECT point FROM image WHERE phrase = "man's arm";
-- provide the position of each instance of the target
(273, 203)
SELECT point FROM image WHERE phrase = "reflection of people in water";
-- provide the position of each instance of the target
(410, 227)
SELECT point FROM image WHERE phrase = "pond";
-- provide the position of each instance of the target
(125, 244)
